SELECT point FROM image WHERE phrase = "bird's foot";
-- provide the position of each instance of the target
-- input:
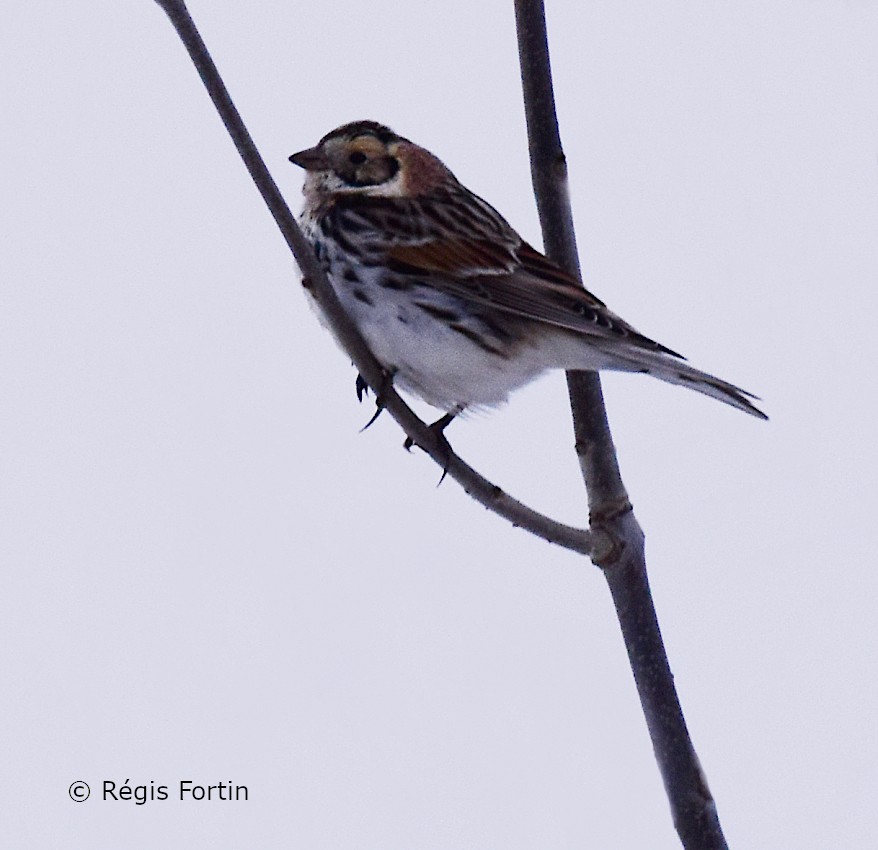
(438, 428)
(363, 390)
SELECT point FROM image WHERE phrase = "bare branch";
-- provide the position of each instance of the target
(549, 175)
(478, 487)
(623, 561)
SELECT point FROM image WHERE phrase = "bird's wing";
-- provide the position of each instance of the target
(521, 281)
(458, 243)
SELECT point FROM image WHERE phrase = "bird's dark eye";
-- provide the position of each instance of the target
(357, 158)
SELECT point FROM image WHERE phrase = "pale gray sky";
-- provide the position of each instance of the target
(209, 574)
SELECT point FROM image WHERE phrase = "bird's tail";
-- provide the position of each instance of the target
(674, 371)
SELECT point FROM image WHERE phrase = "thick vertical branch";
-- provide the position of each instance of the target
(548, 166)
(620, 551)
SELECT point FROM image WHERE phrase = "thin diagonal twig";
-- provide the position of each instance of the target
(624, 565)
(478, 487)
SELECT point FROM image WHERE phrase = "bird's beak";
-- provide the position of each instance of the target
(312, 159)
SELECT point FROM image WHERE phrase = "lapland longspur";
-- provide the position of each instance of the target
(452, 302)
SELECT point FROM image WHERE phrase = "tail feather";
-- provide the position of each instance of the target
(674, 371)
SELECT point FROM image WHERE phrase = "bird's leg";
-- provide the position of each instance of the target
(438, 427)
(363, 390)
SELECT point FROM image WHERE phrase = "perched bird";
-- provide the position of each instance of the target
(453, 303)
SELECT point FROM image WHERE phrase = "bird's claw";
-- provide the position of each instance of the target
(438, 428)
(363, 390)
(362, 387)
(379, 407)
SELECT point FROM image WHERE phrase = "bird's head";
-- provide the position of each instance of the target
(367, 158)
